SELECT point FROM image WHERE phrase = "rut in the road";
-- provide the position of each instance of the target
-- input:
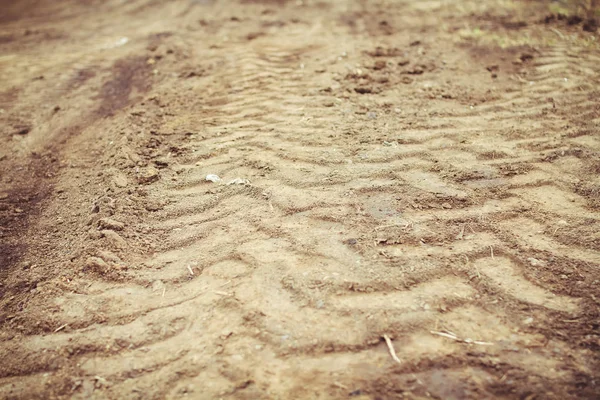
(393, 188)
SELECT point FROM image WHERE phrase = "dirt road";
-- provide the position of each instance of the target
(422, 171)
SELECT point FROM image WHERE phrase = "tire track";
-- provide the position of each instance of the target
(357, 221)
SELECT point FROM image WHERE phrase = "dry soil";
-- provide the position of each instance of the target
(426, 171)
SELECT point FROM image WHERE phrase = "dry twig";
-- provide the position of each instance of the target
(341, 386)
(558, 33)
(390, 346)
(455, 338)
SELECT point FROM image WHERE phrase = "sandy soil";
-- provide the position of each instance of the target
(425, 171)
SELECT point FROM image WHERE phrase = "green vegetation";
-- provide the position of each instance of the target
(588, 8)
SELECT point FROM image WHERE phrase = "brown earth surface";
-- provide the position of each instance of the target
(422, 171)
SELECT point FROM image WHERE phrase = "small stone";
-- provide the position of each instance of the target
(447, 206)
(535, 262)
(114, 238)
(157, 285)
(109, 223)
(528, 321)
(96, 263)
(153, 205)
(109, 256)
(239, 181)
(120, 180)
(148, 175)
(213, 178)
(94, 235)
